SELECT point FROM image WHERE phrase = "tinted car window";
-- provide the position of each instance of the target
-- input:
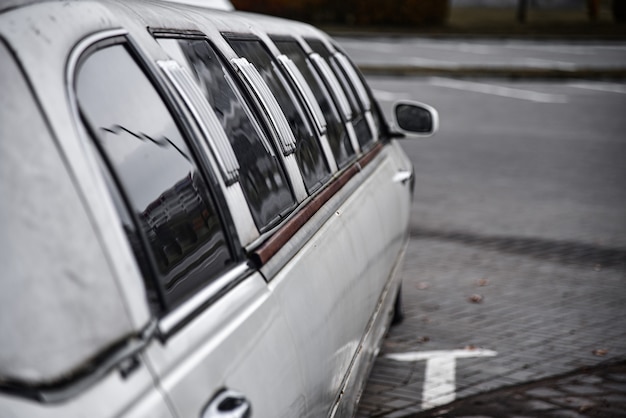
(375, 110)
(261, 176)
(359, 122)
(152, 162)
(308, 150)
(336, 131)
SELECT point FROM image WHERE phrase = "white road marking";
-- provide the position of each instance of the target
(388, 96)
(427, 62)
(543, 63)
(439, 381)
(607, 87)
(559, 49)
(379, 46)
(612, 47)
(495, 90)
(460, 47)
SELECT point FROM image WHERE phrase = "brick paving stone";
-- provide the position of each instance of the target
(545, 393)
(571, 401)
(567, 414)
(617, 398)
(569, 317)
(577, 389)
(535, 405)
(618, 387)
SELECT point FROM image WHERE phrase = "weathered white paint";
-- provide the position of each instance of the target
(439, 380)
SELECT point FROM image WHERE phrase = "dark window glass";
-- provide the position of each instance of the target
(359, 122)
(132, 234)
(146, 151)
(336, 130)
(261, 176)
(308, 150)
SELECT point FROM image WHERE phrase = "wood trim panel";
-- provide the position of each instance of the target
(269, 248)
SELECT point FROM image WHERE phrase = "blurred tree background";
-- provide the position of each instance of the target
(354, 12)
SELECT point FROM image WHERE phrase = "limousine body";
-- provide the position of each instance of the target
(204, 213)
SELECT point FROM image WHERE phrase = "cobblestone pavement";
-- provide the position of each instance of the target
(518, 245)
(597, 392)
(544, 314)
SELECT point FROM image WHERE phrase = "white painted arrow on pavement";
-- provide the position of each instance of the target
(439, 380)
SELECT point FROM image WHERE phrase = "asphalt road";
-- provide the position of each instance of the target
(518, 239)
(489, 53)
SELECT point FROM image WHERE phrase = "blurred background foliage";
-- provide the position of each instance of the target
(354, 12)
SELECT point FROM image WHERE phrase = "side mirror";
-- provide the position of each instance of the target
(416, 119)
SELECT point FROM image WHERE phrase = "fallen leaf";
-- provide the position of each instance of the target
(482, 282)
(600, 352)
(423, 285)
(586, 407)
(475, 298)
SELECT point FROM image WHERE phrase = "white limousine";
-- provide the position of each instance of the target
(203, 214)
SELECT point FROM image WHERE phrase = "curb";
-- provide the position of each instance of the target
(500, 72)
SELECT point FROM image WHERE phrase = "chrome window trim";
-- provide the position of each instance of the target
(250, 113)
(353, 139)
(293, 172)
(216, 144)
(270, 108)
(263, 95)
(215, 137)
(333, 84)
(242, 218)
(354, 79)
(372, 125)
(309, 100)
(184, 313)
(305, 93)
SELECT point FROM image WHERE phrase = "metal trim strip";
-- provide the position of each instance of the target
(269, 248)
(214, 135)
(305, 93)
(354, 79)
(333, 84)
(262, 93)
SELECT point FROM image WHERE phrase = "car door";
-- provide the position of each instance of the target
(224, 344)
(330, 273)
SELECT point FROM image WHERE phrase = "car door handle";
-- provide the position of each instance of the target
(403, 176)
(228, 404)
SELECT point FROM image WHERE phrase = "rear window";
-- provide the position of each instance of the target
(60, 303)
(152, 162)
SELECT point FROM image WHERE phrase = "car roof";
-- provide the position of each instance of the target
(209, 4)
(33, 32)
